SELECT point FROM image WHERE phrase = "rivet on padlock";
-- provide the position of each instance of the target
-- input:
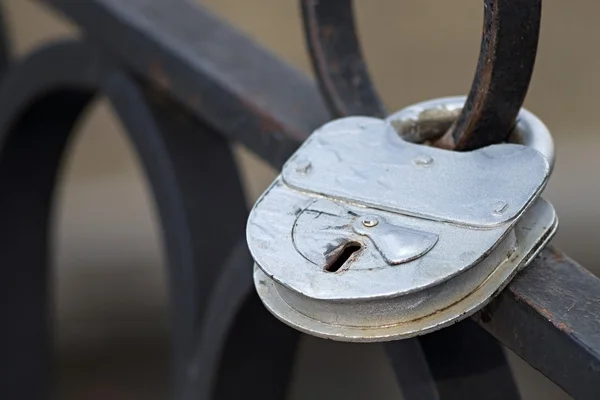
(366, 236)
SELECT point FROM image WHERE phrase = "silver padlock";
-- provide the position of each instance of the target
(367, 237)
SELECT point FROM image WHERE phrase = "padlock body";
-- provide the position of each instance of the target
(365, 236)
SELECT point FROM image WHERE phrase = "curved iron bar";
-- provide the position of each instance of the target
(506, 60)
(443, 365)
(240, 341)
(215, 71)
(337, 58)
(202, 213)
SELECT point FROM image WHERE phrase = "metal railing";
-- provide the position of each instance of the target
(172, 72)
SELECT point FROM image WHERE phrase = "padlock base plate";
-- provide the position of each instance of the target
(533, 231)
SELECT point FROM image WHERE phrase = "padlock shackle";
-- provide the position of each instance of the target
(506, 60)
(528, 129)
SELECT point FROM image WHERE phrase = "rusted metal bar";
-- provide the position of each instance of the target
(219, 74)
(549, 316)
(506, 60)
(337, 58)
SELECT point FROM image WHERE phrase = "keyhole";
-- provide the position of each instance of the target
(343, 256)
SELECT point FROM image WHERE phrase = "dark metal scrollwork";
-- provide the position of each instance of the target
(202, 213)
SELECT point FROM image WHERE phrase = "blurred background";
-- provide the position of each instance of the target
(110, 296)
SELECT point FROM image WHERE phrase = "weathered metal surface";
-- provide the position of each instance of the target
(337, 58)
(355, 182)
(363, 307)
(219, 74)
(549, 317)
(362, 160)
(426, 121)
(506, 60)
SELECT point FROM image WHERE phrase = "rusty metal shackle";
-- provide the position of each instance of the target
(506, 60)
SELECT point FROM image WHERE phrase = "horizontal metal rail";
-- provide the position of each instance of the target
(548, 315)
(221, 75)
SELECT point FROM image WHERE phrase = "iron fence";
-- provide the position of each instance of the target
(185, 85)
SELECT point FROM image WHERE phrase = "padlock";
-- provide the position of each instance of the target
(365, 236)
